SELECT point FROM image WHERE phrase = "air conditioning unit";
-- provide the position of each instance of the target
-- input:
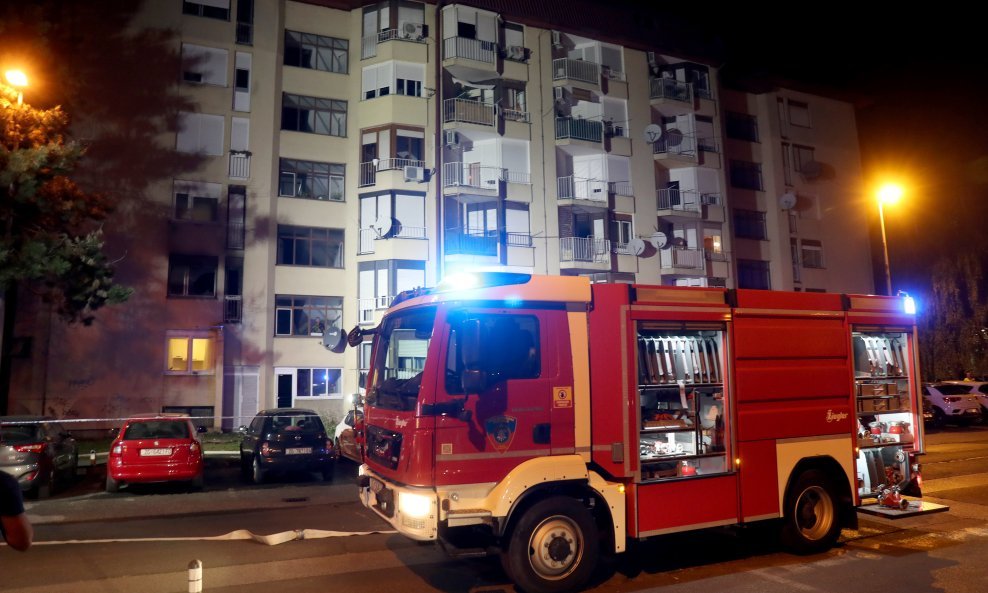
(452, 138)
(411, 30)
(557, 40)
(418, 174)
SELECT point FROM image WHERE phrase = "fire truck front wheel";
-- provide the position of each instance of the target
(553, 547)
(811, 521)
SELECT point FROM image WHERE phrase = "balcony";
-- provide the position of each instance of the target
(368, 171)
(579, 188)
(233, 308)
(413, 32)
(689, 262)
(674, 150)
(670, 96)
(581, 130)
(569, 71)
(239, 164)
(465, 111)
(515, 115)
(471, 242)
(679, 204)
(585, 250)
(367, 237)
(472, 177)
(519, 239)
(464, 48)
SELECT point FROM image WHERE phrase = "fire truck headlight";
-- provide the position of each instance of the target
(414, 505)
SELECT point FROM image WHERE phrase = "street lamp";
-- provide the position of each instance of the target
(18, 80)
(889, 193)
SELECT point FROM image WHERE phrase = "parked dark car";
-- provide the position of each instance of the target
(39, 452)
(155, 448)
(286, 439)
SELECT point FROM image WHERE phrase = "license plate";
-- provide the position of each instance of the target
(298, 450)
(155, 452)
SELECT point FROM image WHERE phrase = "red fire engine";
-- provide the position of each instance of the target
(552, 420)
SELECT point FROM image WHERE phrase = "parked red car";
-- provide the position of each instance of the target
(155, 448)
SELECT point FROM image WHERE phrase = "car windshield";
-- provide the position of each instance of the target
(296, 423)
(19, 433)
(401, 346)
(157, 429)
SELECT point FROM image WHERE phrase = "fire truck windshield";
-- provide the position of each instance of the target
(401, 345)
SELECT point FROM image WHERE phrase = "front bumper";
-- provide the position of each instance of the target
(418, 521)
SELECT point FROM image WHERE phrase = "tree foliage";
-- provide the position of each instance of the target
(954, 338)
(50, 238)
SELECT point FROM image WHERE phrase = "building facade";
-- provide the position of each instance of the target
(353, 150)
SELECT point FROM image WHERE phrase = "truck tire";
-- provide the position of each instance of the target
(553, 547)
(811, 517)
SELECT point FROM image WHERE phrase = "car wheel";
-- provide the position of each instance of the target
(197, 483)
(111, 484)
(939, 418)
(45, 488)
(553, 547)
(810, 523)
(258, 472)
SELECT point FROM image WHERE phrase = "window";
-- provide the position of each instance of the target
(212, 9)
(407, 212)
(509, 349)
(196, 201)
(517, 224)
(188, 353)
(310, 246)
(799, 114)
(750, 224)
(801, 156)
(313, 383)
(706, 138)
(753, 274)
(306, 50)
(313, 115)
(192, 276)
(204, 65)
(812, 253)
(306, 315)
(712, 244)
(742, 126)
(388, 78)
(311, 180)
(621, 230)
(746, 175)
(200, 133)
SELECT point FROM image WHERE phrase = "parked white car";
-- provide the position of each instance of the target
(979, 389)
(952, 403)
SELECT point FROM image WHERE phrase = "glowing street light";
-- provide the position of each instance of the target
(18, 80)
(890, 193)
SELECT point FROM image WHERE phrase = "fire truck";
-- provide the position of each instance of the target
(552, 421)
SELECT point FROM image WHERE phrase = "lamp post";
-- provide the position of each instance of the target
(18, 80)
(887, 194)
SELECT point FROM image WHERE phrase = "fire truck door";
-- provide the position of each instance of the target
(485, 429)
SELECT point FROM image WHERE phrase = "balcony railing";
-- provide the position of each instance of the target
(708, 144)
(515, 115)
(366, 237)
(469, 49)
(579, 129)
(620, 188)
(235, 234)
(471, 242)
(366, 307)
(584, 249)
(675, 144)
(233, 308)
(709, 199)
(671, 89)
(368, 171)
(579, 188)
(580, 70)
(474, 175)
(239, 164)
(468, 112)
(690, 259)
(516, 176)
(519, 240)
(682, 200)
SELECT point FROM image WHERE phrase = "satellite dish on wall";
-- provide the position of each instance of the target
(652, 133)
(659, 239)
(810, 169)
(636, 247)
(787, 200)
(385, 227)
(334, 340)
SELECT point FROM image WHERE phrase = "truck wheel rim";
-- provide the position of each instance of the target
(814, 513)
(555, 548)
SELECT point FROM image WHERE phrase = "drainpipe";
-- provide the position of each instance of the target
(437, 137)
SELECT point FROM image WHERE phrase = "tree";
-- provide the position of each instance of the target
(953, 339)
(50, 241)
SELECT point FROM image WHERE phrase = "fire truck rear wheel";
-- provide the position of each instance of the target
(811, 519)
(553, 547)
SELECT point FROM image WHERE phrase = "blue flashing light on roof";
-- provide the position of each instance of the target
(471, 280)
(908, 303)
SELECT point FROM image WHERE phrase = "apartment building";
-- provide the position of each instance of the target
(352, 150)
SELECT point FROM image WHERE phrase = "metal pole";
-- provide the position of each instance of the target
(195, 576)
(885, 250)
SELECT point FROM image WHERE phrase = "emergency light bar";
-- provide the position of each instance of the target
(471, 280)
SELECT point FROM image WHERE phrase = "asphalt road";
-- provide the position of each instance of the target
(143, 541)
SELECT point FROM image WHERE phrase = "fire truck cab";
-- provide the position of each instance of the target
(551, 420)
